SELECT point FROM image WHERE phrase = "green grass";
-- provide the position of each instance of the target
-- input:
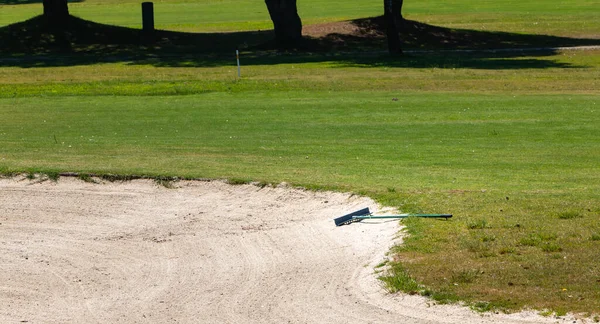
(439, 141)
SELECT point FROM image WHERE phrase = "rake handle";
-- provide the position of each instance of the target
(446, 216)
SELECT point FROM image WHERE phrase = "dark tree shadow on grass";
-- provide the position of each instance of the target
(360, 42)
(417, 35)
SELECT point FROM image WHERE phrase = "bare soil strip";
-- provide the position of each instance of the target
(205, 252)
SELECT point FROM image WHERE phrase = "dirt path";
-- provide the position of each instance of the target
(206, 252)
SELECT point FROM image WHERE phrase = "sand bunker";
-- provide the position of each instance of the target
(204, 252)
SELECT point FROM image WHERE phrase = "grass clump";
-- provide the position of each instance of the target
(117, 177)
(382, 264)
(466, 276)
(265, 184)
(238, 181)
(507, 250)
(569, 215)
(7, 173)
(42, 175)
(551, 247)
(480, 245)
(477, 224)
(398, 279)
(167, 182)
(488, 238)
(444, 297)
(482, 306)
(86, 177)
(52, 175)
(536, 239)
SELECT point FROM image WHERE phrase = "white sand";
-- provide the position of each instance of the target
(205, 252)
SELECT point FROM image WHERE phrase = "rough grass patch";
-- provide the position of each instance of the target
(478, 246)
(466, 276)
(238, 181)
(52, 175)
(547, 236)
(6, 173)
(507, 250)
(488, 238)
(264, 184)
(382, 264)
(560, 312)
(537, 239)
(551, 247)
(444, 297)
(477, 224)
(166, 182)
(86, 178)
(481, 306)
(117, 177)
(531, 240)
(569, 215)
(398, 279)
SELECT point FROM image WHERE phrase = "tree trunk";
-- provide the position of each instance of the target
(56, 11)
(286, 22)
(393, 23)
(56, 14)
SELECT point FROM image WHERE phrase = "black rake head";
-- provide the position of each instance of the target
(348, 219)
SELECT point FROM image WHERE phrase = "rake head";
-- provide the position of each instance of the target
(348, 219)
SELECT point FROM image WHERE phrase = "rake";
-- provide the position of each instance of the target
(365, 213)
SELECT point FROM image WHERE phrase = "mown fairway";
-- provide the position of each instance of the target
(507, 142)
(353, 140)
